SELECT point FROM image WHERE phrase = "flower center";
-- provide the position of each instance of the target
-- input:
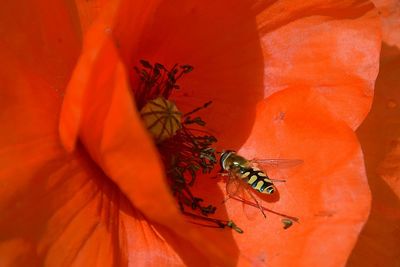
(185, 148)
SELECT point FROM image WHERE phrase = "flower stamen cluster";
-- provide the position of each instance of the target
(188, 150)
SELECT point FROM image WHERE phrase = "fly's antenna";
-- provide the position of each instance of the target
(226, 150)
(278, 180)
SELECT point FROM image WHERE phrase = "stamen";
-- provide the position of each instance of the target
(184, 151)
(157, 81)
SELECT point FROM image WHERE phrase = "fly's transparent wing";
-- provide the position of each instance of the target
(234, 184)
(239, 190)
(277, 163)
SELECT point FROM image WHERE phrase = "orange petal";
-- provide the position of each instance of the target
(331, 48)
(329, 195)
(57, 208)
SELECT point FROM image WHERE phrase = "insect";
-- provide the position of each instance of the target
(242, 173)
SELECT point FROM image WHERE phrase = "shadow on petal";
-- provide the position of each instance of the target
(379, 241)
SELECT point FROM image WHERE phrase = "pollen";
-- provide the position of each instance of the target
(162, 118)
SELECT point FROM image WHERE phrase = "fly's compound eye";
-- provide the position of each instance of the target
(270, 189)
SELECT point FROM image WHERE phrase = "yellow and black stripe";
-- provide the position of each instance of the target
(257, 179)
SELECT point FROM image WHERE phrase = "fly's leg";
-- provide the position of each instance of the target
(258, 205)
(277, 180)
(295, 219)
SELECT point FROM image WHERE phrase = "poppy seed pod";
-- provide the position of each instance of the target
(162, 118)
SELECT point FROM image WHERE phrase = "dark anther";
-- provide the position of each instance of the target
(146, 64)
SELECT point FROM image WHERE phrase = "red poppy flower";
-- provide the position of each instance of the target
(81, 179)
(379, 136)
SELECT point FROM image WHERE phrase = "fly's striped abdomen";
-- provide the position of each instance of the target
(257, 179)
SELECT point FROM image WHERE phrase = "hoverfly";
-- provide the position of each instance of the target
(242, 174)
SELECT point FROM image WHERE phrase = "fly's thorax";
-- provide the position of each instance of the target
(257, 179)
(230, 160)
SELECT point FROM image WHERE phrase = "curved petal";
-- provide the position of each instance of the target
(98, 108)
(328, 46)
(59, 209)
(328, 193)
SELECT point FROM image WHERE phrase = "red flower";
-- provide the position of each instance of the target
(288, 80)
